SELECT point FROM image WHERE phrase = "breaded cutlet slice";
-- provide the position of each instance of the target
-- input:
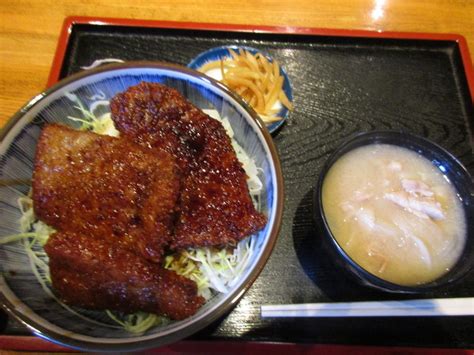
(105, 186)
(215, 207)
(94, 273)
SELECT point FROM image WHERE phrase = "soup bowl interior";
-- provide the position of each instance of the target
(33, 303)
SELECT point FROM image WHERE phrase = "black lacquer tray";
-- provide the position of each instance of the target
(344, 82)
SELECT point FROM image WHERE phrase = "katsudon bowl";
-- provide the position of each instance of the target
(25, 289)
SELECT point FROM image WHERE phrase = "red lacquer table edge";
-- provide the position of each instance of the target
(30, 343)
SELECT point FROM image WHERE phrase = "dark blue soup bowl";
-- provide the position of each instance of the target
(447, 164)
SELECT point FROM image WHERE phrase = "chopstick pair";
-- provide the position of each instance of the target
(404, 308)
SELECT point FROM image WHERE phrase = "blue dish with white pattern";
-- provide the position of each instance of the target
(218, 53)
(21, 293)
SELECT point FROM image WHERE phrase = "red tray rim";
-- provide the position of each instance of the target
(32, 343)
(71, 21)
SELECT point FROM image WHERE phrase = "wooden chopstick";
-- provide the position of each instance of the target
(404, 308)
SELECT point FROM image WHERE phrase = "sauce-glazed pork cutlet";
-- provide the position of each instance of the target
(96, 274)
(105, 186)
(215, 207)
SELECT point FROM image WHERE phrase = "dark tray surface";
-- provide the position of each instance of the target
(341, 85)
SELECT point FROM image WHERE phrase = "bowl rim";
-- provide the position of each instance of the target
(132, 344)
(272, 126)
(355, 269)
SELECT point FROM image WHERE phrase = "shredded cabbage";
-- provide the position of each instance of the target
(138, 322)
(90, 121)
(213, 270)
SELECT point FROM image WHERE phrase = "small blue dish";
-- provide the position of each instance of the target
(218, 53)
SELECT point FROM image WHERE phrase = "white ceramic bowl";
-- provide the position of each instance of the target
(21, 293)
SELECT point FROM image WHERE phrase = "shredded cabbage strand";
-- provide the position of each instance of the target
(212, 268)
(100, 124)
(138, 322)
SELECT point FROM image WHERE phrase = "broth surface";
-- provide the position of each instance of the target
(394, 213)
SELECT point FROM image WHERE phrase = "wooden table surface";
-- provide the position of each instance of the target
(29, 29)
